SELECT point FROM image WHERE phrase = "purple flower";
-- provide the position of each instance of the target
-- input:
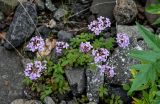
(85, 47)
(97, 26)
(100, 55)
(60, 46)
(122, 40)
(34, 70)
(105, 69)
(36, 44)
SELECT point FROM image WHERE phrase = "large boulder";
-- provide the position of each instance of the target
(22, 26)
(11, 76)
(125, 11)
(120, 59)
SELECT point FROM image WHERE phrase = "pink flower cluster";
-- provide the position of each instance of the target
(122, 40)
(34, 70)
(36, 44)
(100, 55)
(85, 47)
(107, 70)
(97, 26)
(61, 45)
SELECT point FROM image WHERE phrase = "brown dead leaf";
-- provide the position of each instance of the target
(2, 36)
(50, 44)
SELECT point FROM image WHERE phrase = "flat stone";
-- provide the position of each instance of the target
(101, 6)
(48, 100)
(18, 101)
(94, 81)
(22, 26)
(11, 76)
(120, 59)
(32, 102)
(76, 79)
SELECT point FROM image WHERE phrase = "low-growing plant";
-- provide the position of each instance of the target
(85, 50)
(115, 100)
(148, 71)
(103, 91)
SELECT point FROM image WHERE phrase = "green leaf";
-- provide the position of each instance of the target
(147, 74)
(157, 22)
(153, 9)
(152, 40)
(150, 56)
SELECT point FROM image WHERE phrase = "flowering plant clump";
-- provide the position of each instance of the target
(97, 26)
(107, 70)
(85, 47)
(122, 40)
(34, 70)
(100, 55)
(36, 44)
(61, 45)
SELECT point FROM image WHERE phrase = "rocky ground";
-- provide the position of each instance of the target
(20, 19)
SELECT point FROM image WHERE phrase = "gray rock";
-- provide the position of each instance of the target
(11, 76)
(32, 102)
(22, 26)
(18, 101)
(125, 11)
(151, 17)
(40, 4)
(120, 59)
(94, 81)
(1, 16)
(62, 102)
(44, 31)
(76, 79)
(7, 6)
(50, 6)
(60, 13)
(64, 36)
(100, 6)
(48, 100)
